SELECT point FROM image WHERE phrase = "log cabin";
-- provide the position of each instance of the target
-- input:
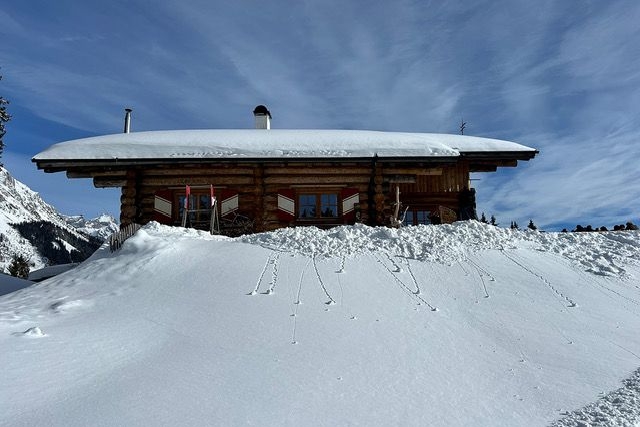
(264, 178)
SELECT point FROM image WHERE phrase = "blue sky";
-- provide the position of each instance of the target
(560, 76)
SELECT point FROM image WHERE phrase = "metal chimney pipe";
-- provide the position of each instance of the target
(127, 120)
(263, 117)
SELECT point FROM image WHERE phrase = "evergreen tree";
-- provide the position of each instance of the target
(515, 226)
(19, 267)
(4, 117)
(483, 219)
(49, 240)
(631, 226)
(493, 220)
(531, 225)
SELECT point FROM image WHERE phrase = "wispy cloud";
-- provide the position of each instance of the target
(563, 77)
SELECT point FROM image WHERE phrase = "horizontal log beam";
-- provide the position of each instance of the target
(196, 180)
(322, 170)
(93, 174)
(412, 171)
(100, 182)
(310, 179)
(209, 171)
(483, 168)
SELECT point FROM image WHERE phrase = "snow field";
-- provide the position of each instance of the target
(464, 324)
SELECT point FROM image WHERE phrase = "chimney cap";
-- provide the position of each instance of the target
(261, 110)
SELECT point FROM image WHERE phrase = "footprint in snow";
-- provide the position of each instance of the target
(34, 332)
(66, 306)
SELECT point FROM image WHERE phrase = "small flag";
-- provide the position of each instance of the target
(187, 191)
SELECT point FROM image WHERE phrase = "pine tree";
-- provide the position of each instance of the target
(493, 221)
(19, 267)
(4, 117)
(514, 225)
(531, 225)
(483, 219)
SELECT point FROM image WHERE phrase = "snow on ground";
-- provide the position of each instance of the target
(9, 284)
(463, 324)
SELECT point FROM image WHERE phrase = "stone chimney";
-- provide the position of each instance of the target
(127, 120)
(263, 117)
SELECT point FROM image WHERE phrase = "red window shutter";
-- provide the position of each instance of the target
(350, 199)
(286, 205)
(163, 206)
(228, 202)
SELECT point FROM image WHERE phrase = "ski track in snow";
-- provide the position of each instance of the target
(396, 267)
(331, 301)
(464, 270)
(479, 268)
(481, 273)
(512, 258)
(403, 285)
(418, 291)
(274, 274)
(296, 304)
(272, 261)
(590, 279)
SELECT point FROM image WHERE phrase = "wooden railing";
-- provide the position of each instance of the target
(118, 238)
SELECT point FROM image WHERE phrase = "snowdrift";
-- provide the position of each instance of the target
(463, 324)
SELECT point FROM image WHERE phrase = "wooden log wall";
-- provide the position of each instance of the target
(258, 185)
(452, 179)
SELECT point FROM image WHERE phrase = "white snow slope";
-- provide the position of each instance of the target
(453, 325)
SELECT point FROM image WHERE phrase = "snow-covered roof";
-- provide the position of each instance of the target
(275, 143)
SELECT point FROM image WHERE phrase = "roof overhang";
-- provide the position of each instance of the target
(110, 155)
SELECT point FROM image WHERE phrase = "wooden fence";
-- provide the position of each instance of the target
(118, 238)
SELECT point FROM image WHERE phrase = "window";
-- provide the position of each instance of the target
(307, 203)
(329, 205)
(417, 216)
(423, 217)
(318, 205)
(199, 208)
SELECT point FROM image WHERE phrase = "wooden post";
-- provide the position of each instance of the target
(260, 207)
(128, 200)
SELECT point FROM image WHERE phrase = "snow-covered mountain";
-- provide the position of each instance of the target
(34, 229)
(101, 227)
(450, 325)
